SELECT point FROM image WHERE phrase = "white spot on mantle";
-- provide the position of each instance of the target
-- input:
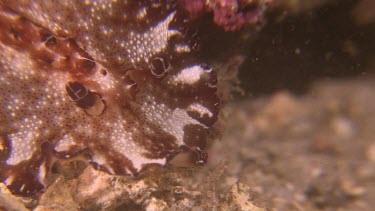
(189, 75)
(142, 13)
(147, 44)
(200, 109)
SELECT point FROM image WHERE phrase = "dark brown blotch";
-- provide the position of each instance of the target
(83, 66)
(44, 59)
(159, 66)
(80, 95)
(16, 31)
(195, 136)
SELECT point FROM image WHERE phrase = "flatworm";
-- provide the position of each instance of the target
(119, 80)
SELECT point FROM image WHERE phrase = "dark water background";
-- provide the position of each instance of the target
(293, 51)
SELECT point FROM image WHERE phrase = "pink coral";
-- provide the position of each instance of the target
(229, 14)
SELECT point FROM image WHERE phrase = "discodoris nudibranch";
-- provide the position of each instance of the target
(119, 80)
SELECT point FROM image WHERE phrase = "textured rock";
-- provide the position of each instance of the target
(239, 198)
(10, 202)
